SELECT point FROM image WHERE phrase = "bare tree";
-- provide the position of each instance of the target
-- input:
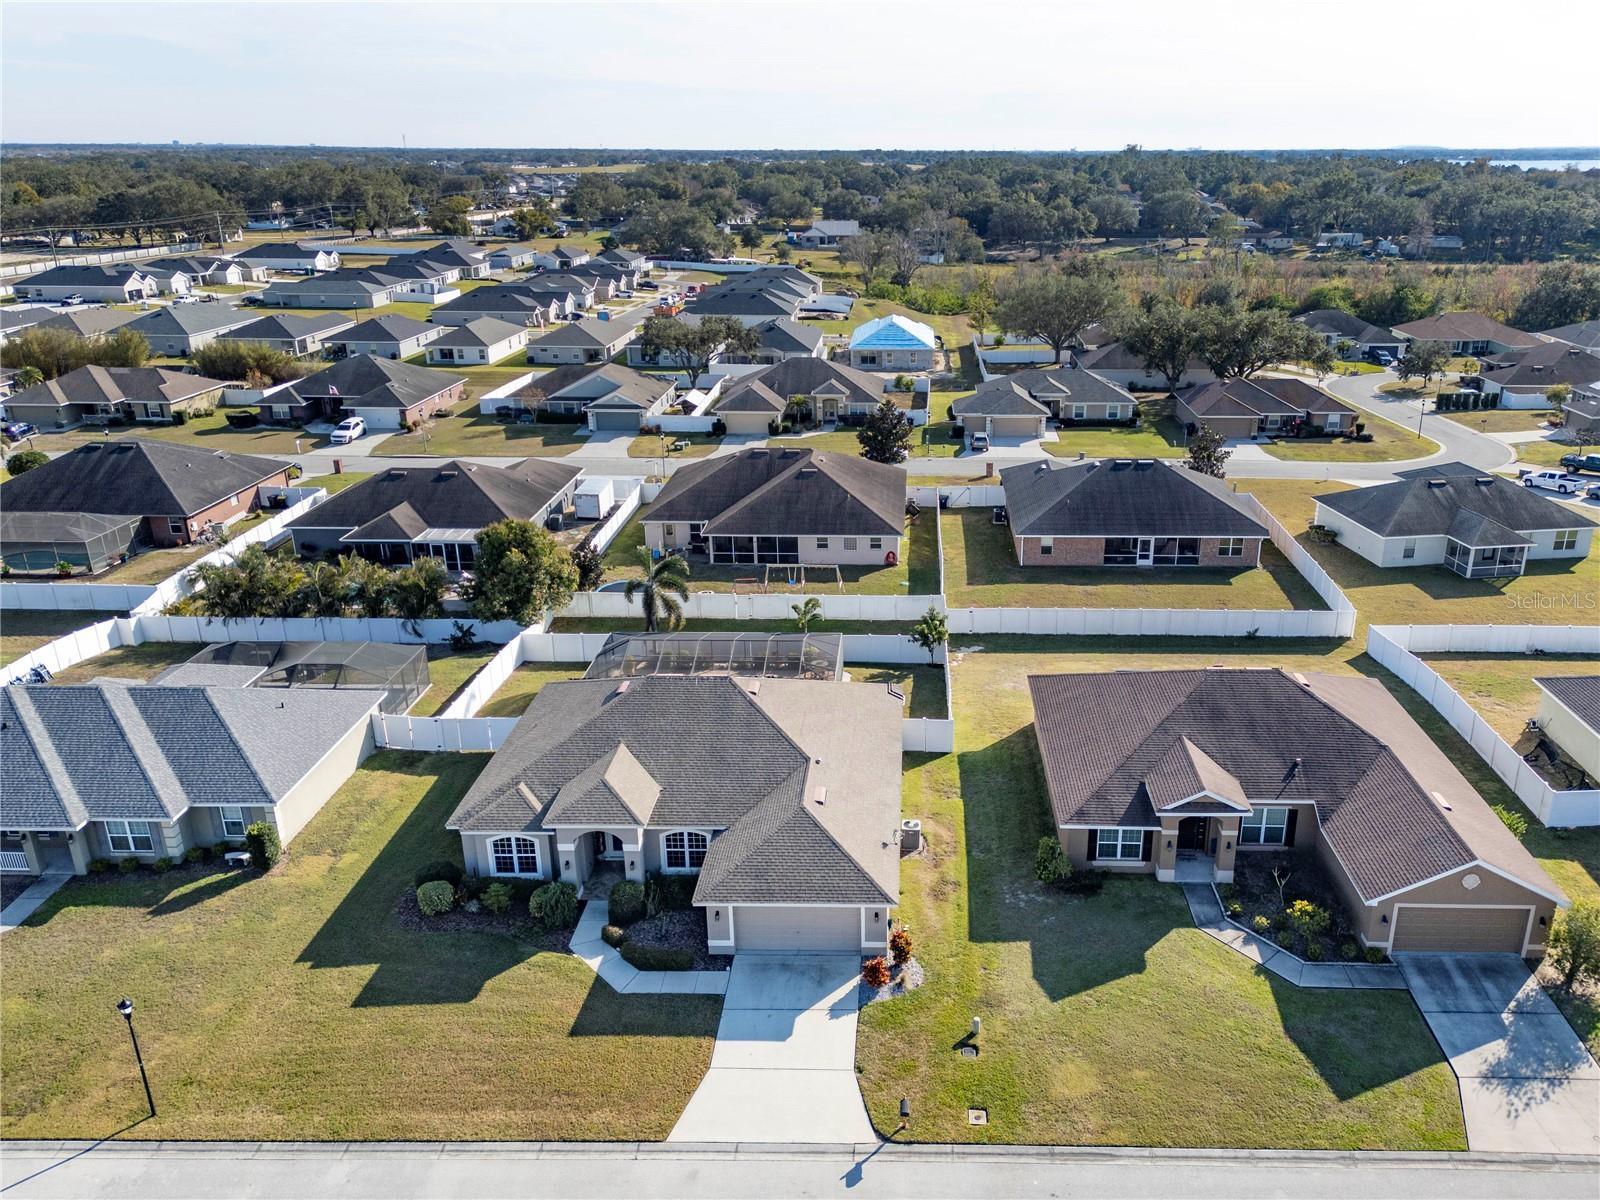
(904, 253)
(869, 252)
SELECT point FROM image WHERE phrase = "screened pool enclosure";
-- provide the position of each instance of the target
(765, 655)
(400, 672)
(34, 542)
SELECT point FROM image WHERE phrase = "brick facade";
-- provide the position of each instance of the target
(1090, 552)
(157, 525)
(1209, 557)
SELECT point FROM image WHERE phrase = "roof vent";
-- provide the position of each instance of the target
(807, 472)
(1437, 483)
(1484, 480)
(621, 687)
(1300, 679)
(821, 794)
(1441, 801)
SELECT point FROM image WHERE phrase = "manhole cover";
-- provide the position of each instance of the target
(977, 1116)
(969, 1052)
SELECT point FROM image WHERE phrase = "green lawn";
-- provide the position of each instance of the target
(142, 662)
(1161, 439)
(923, 686)
(448, 673)
(1552, 592)
(1390, 443)
(22, 631)
(466, 431)
(1544, 453)
(296, 1006)
(650, 446)
(210, 432)
(1110, 1020)
(1501, 420)
(152, 566)
(981, 571)
(719, 625)
(1500, 687)
(916, 574)
(517, 692)
(334, 483)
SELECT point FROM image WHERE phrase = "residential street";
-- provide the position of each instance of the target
(174, 1170)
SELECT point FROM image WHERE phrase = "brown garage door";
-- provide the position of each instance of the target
(1463, 930)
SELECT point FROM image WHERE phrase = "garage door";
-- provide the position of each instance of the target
(1014, 427)
(1463, 930)
(797, 927)
(616, 420)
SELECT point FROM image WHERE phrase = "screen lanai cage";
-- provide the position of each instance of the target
(34, 542)
(761, 655)
(400, 672)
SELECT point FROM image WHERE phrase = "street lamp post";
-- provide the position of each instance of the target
(125, 1007)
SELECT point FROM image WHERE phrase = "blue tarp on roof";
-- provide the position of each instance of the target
(893, 332)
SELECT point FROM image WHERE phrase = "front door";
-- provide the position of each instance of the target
(1192, 833)
(607, 846)
(1147, 551)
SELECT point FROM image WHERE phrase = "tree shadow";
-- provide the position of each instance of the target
(607, 1012)
(206, 889)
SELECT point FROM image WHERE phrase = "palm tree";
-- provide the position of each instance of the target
(662, 590)
(29, 377)
(806, 613)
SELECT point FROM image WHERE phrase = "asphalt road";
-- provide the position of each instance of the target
(174, 1170)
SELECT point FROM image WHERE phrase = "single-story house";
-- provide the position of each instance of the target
(17, 320)
(1127, 513)
(1121, 366)
(181, 329)
(288, 256)
(1581, 418)
(515, 304)
(174, 491)
(83, 322)
(291, 333)
(97, 394)
(781, 507)
(561, 258)
(467, 258)
(385, 393)
(422, 279)
(388, 336)
(169, 280)
(110, 769)
(1479, 525)
(585, 341)
(405, 513)
(1009, 405)
(826, 234)
(1265, 406)
(830, 390)
(354, 288)
(1265, 239)
(748, 301)
(507, 258)
(779, 340)
(1467, 333)
(1337, 327)
(1183, 773)
(1569, 715)
(893, 343)
(585, 290)
(619, 256)
(607, 397)
(202, 272)
(484, 340)
(1001, 411)
(1525, 379)
(781, 794)
(118, 284)
(1340, 240)
(1585, 335)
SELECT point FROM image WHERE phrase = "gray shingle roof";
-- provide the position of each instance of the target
(275, 250)
(1585, 334)
(134, 477)
(1122, 498)
(788, 492)
(289, 326)
(364, 381)
(89, 322)
(1580, 693)
(388, 328)
(1335, 322)
(1464, 327)
(1340, 744)
(112, 385)
(481, 331)
(767, 390)
(1546, 365)
(1426, 502)
(608, 385)
(86, 276)
(189, 319)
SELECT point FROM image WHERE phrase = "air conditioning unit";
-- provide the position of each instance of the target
(910, 836)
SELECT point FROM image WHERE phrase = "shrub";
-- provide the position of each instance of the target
(613, 935)
(161, 865)
(875, 972)
(1084, 883)
(435, 897)
(554, 906)
(900, 947)
(462, 637)
(99, 866)
(1314, 951)
(24, 461)
(128, 865)
(1262, 926)
(1235, 909)
(626, 902)
(1050, 862)
(199, 854)
(1349, 952)
(656, 958)
(1307, 919)
(1512, 819)
(1373, 954)
(63, 568)
(261, 839)
(496, 898)
(669, 893)
(439, 870)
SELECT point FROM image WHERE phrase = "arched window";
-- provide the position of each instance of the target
(684, 850)
(514, 856)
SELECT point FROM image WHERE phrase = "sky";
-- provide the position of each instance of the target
(1000, 74)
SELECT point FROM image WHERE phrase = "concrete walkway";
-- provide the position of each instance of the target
(784, 1066)
(25, 905)
(606, 962)
(1209, 918)
(1527, 1082)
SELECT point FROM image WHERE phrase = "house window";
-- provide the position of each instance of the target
(1566, 539)
(129, 837)
(1125, 844)
(875, 543)
(1230, 548)
(514, 856)
(683, 850)
(668, 532)
(1080, 411)
(1176, 552)
(1047, 546)
(1113, 412)
(175, 528)
(1408, 548)
(822, 543)
(233, 823)
(1264, 827)
(850, 543)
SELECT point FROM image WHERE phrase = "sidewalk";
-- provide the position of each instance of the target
(25, 905)
(606, 962)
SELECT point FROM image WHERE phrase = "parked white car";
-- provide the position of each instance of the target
(348, 430)
(1555, 481)
(980, 442)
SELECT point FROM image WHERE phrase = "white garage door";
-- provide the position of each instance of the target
(797, 927)
(1462, 930)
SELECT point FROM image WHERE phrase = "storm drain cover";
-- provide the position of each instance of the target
(969, 1052)
(977, 1116)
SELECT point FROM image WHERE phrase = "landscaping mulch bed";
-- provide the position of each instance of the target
(514, 922)
(12, 886)
(1255, 891)
(682, 929)
(903, 979)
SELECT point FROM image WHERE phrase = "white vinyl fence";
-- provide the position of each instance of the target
(762, 606)
(95, 257)
(1396, 647)
(632, 498)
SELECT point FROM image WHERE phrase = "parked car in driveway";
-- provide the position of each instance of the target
(980, 442)
(1555, 481)
(1581, 462)
(348, 430)
(75, 298)
(18, 430)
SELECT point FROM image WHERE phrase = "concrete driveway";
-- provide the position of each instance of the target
(783, 1069)
(1527, 1083)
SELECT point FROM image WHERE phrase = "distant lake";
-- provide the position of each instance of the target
(1539, 164)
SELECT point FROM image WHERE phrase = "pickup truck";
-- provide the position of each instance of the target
(1555, 481)
(1581, 462)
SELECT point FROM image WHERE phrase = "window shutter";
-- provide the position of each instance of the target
(1094, 845)
(1288, 828)
(1149, 845)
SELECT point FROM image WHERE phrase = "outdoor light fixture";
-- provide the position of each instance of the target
(1385, 919)
(1169, 843)
(125, 1007)
(1227, 845)
(716, 914)
(1542, 922)
(566, 864)
(876, 917)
